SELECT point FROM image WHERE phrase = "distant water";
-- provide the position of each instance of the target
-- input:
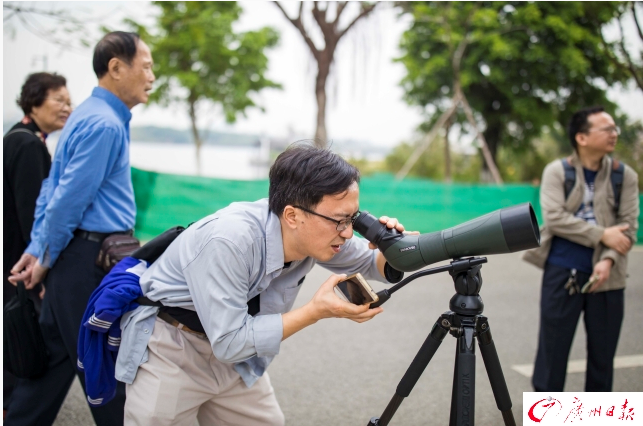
(217, 161)
(225, 162)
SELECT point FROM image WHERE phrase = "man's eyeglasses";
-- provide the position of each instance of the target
(608, 129)
(341, 224)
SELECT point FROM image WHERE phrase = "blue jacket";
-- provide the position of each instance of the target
(100, 332)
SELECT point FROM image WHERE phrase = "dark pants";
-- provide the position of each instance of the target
(69, 285)
(559, 314)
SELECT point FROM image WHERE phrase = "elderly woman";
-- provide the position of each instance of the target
(45, 101)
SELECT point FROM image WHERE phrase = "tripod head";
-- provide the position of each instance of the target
(466, 278)
(468, 282)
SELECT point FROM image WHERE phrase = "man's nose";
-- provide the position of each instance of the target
(347, 233)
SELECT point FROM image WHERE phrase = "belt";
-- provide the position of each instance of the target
(98, 237)
(168, 319)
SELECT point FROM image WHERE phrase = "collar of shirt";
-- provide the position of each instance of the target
(113, 101)
(274, 244)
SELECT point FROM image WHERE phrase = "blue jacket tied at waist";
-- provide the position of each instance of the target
(100, 332)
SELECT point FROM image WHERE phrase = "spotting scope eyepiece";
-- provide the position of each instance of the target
(504, 231)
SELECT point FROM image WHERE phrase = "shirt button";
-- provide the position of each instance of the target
(146, 331)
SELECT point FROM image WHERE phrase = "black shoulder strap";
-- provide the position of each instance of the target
(570, 176)
(155, 247)
(152, 251)
(20, 131)
(616, 177)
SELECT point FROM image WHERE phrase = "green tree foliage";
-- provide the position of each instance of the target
(199, 58)
(526, 66)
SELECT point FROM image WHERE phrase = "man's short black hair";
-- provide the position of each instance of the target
(579, 123)
(117, 44)
(34, 91)
(303, 174)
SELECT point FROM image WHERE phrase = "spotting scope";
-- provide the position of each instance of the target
(504, 231)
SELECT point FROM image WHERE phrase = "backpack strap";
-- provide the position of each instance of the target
(570, 175)
(616, 177)
(20, 131)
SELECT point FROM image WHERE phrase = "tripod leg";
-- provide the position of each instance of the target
(415, 370)
(454, 388)
(494, 370)
(464, 379)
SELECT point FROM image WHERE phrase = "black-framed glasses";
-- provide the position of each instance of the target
(341, 224)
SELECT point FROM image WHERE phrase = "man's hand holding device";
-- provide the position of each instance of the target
(355, 290)
(326, 303)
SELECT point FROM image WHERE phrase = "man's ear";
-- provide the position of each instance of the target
(114, 68)
(581, 139)
(290, 216)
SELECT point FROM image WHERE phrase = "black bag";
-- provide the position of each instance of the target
(25, 353)
(155, 247)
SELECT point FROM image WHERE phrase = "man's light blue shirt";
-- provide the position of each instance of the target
(215, 267)
(89, 186)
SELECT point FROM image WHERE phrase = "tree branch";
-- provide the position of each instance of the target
(300, 26)
(636, 21)
(486, 153)
(607, 49)
(326, 28)
(457, 56)
(426, 142)
(365, 11)
(340, 8)
(629, 64)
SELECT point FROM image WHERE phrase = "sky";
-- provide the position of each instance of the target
(365, 99)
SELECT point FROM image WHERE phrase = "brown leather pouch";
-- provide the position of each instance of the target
(114, 248)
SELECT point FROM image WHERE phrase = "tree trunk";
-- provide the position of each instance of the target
(447, 151)
(195, 135)
(324, 57)
(491, 135)
(487, 155)
(323, 69)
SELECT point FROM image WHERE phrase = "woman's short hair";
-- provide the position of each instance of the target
(36, 87)
(303, 174)
(117, 44)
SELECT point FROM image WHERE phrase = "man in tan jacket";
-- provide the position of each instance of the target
(587, 235)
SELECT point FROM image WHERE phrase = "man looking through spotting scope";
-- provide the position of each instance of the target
(590, 205)
(240, 270)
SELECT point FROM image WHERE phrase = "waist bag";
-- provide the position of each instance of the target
(25, 353)
(115, 248)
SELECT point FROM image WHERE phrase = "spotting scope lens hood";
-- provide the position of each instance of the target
(506, 230)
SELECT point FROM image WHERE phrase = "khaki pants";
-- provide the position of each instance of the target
(183, 382)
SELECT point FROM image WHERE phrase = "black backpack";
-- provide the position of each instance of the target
(616, 178)
(25, 353)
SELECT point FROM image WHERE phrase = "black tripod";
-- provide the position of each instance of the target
(465, 323)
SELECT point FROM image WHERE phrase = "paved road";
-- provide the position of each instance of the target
(341, 373)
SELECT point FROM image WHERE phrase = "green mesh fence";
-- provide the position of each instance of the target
(165, 200)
